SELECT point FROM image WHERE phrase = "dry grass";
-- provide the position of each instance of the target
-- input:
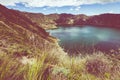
(20, 62)
(23, 58)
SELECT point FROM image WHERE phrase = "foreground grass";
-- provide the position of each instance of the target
(26, 64)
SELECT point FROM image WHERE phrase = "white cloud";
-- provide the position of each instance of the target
(71, 9)
(53, 3)
(56, 10)
(111, 11)
(77, 8)
(44, 9)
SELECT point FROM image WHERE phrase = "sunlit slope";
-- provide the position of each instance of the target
(16, 28)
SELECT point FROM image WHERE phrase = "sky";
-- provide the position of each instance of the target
(88, 7)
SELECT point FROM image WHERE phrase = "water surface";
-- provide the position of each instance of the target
(87, 39)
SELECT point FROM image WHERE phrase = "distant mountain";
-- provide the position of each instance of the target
(103, 20)
(53, 20)
(106, 20)
(45, 21)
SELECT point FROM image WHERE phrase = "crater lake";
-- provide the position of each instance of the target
(87, 39)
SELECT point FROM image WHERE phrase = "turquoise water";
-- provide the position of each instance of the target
(87, 38)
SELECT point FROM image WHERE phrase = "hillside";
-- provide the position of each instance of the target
(17, 29)
(45, 21)
(105, 20)
(54, 20)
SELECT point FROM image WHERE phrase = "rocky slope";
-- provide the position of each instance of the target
(17, 29)
(45, 21)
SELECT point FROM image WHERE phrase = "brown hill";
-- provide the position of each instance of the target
(45, 21)
(17, 29)
(54, 20)
(105, 20)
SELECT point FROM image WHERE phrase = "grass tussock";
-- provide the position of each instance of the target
(19, 62)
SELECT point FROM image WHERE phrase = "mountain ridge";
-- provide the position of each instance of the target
(64, 19)
(102, 20)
